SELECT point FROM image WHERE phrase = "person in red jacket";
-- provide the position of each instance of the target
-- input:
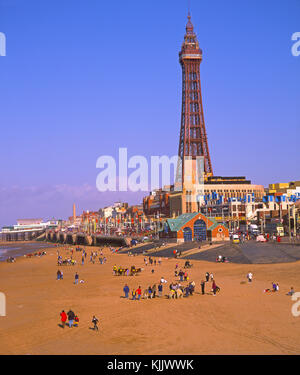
(63, 317)
(139, 293)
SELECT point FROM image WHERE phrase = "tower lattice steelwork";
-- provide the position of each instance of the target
(193, 138)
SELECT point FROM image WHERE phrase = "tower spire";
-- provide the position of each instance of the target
(193, 138)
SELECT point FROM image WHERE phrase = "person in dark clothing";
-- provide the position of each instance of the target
(126, 290)
(71, 317)
(181, 274)
(202, 287)
(154, 290)
(95, 322)
(207, 276)
(160, 289)
(191, 289)
(187, 291)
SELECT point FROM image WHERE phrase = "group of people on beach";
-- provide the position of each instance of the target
(275, 288)
(152, 262)
(37, 254)
(149, 292)
(73, 320)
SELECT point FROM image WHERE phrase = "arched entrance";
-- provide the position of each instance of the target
(199, 230)
(187, 234)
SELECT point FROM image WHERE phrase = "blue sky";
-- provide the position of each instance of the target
(83, 78)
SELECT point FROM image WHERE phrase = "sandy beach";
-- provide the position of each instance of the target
(241, 319)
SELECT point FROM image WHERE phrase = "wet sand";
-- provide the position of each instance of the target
(20, 248)
(241, 319)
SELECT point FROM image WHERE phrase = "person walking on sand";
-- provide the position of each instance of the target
(133, 294)
(95, 322)
(58, 275)
(71, 317)
(249, 277)
(202, 287)
(154, 290)
(160, 289)
(63, 318)
(207, 276)
(214, 287)
(126, 290)
(76, 278)
(139, 293)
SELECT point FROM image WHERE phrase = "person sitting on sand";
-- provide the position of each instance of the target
(58, 275)
(76, 321)
(291, 292)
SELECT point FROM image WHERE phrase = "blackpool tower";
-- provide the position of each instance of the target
(193, 138)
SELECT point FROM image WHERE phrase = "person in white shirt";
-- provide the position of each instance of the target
(162, 280)
(249, 276)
